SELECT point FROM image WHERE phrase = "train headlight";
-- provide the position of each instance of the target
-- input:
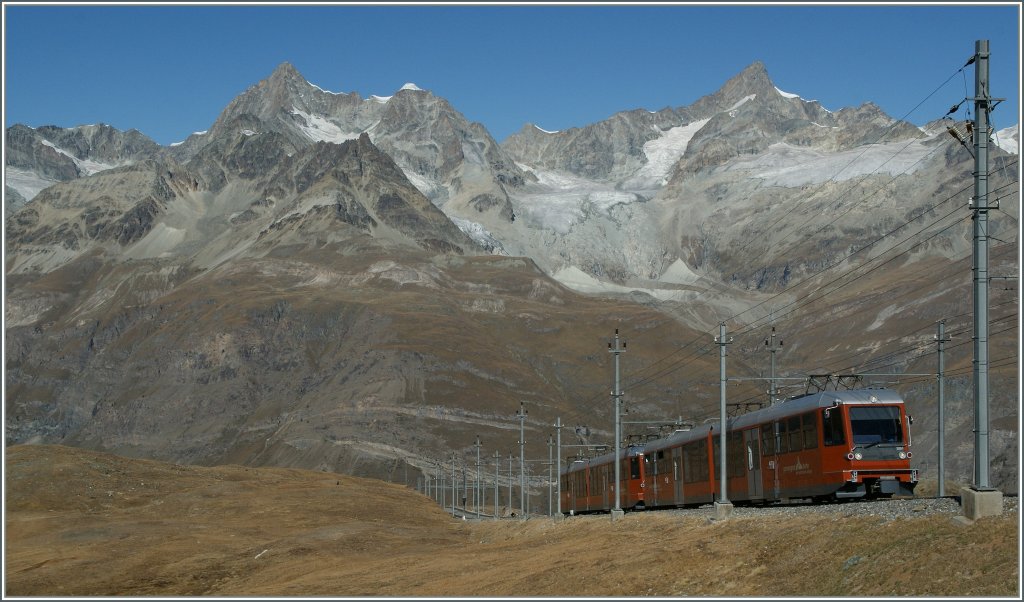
(903, 455)
(910, 454)
(858, 456)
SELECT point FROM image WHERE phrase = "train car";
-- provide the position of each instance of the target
(824, 446)
(588, 485)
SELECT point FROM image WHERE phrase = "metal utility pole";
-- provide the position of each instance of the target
(980, 206)
(941, 339)
(510, 482)
(521, 414)
(454, 490)
(769, 344)
(723, 496)
(497, 464)
(617, 396)
(551, 462)
(526, 507)
(479, 492)
(558, 464)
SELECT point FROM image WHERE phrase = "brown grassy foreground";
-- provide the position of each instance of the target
(80, 523)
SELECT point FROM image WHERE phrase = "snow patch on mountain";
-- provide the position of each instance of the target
(183, 142)
(679, 273)
(558, 199)
(86, 166)
(787, 94)
(426, 187)
(380, 99)
(663, 153)
(326, 91)
(318, 129)
(411, 86)
(27, 183)
(479, 234)
(1008, 139)
(791, 166)
(741, 102)
(545, 131)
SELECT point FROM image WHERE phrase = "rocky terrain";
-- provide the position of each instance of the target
(81, 523)
(365, 285)
(39, 158)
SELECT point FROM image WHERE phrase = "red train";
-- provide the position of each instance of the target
(823, 446)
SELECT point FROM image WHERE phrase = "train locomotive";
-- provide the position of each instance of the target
(825, 446)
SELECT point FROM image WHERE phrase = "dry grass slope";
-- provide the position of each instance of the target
(82, 523)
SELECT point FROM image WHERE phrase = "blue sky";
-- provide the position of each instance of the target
(169, 70)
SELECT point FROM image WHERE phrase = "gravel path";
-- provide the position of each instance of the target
(884, 509)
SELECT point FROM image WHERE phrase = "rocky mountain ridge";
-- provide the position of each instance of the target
(313, 275)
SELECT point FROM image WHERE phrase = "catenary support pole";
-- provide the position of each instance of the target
(942, 339)
(521, 414)
(769, 344)
(617, 397)
(558, 465)
(981, 208)
(723, 506)
(497, 465)
(551, 463)
(478, 502)
(981, 499)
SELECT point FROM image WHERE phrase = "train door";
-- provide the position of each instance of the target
(651, 475)
(751, 439)
(677, 473)
(771, 440)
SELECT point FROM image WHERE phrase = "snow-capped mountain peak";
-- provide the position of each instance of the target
(1008, 139)
(786, 94)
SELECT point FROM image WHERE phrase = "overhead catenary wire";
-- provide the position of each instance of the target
(644, 375)
(678, 364)
(675, 365)
(840, 261)
(892, 127)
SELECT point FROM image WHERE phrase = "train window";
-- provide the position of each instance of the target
(768, 439)
(736, 455)
(874, 425)
(781, 441)
(695, 461)
(794, 433)
(634, 468)
(810, 428)
(661, 466)
(832, 427)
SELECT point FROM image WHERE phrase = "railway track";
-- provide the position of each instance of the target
(886, 509)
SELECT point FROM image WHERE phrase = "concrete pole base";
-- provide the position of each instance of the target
(978, 503)
(723, 510)
(617, 514)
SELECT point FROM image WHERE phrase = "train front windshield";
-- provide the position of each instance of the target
(874, 425)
